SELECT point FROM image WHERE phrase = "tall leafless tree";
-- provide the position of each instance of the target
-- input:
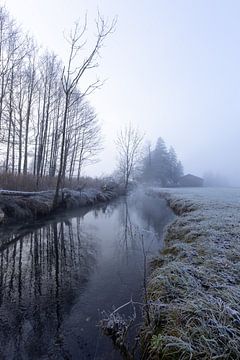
(73, 73)
(128, 144)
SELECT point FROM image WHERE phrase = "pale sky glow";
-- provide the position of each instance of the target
(173, 68)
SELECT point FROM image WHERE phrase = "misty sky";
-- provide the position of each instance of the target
(173, 68)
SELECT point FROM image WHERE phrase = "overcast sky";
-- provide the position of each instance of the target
(172, 68)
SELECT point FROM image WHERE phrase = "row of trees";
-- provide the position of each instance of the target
(47, 127)
(159, 165)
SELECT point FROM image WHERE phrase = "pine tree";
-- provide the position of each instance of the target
(161, 165)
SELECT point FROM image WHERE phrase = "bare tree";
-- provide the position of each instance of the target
(48, 91)
(71, 77)
(128, 144)
(46, 125)
(31, 84)
(14, 51)
(84, 138)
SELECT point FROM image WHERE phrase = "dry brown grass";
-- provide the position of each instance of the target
(28, 182)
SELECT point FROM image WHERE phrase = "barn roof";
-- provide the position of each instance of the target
(190, 176)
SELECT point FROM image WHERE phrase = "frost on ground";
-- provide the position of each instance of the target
(194, 288)
(28, 205)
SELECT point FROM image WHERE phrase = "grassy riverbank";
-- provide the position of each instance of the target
(27, 197)
(194, 286)
(17, 205)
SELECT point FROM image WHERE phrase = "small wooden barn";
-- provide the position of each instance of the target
(190, 180)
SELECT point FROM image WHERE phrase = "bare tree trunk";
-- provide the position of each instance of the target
(13, 147)
(60, 172)
(8, 146)
(20, 145)
(29, 108)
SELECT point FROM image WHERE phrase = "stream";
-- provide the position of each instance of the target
(58, 275)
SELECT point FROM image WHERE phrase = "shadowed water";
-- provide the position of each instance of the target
(56, 277)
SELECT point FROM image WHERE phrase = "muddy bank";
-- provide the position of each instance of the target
(193, 290)
(17, 205)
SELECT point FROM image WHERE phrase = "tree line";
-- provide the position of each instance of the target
(47, 126)
(159, 165)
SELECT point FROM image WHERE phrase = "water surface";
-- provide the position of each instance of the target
(58, 275)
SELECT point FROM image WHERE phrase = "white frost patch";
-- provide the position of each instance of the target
(196, 279)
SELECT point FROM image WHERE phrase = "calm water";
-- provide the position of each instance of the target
(57, 276)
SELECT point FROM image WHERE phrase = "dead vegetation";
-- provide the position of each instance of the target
(117, 326)
(194, 288)
(30, 182)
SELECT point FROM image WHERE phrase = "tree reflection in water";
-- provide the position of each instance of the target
(154, 217)
(56, 279)
(41, 274)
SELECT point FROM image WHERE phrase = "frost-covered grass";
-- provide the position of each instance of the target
(194, 287)
(18, 205)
